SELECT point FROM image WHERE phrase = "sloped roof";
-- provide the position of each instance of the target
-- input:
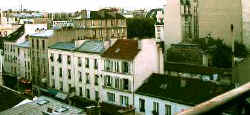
(188, 68)
(63, 46)
(122, 49)
(91, 46)
(25, 44)
(169, 88)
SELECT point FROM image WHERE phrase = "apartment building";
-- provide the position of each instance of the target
(76, 67)
(168, 95)
(23, 60)
(11, 52)
(102, 29)
(127, 64)
(189, 19)
(39, 53)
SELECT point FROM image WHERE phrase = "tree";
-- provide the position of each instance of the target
(240, 50)
(141, 27)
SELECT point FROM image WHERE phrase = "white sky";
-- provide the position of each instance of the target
(73, 5)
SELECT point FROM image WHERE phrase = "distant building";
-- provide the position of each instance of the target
(43, 105)
(6, 30)
(102, 29)
(167, 95)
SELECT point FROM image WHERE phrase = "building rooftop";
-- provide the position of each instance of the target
(186, 91)
(15, 35)
(44, 34)
(25, 44)
(43, 106)
(63, 46)
(188, 68)
(122, 49)
(91, 46)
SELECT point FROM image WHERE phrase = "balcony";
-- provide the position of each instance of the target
(235, 101)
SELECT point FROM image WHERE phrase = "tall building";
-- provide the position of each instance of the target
(189, 19)
(39, 53)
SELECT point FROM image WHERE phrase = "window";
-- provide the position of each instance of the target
(37, 44)
(96, 95)
(96, 64)
(69, 88)
(142, 105)
(18, 51)
(87, 78)
(79, 62)
(52, 57)
(124, 100)
(69, 73)
(87, 62)
(155, 108)
(52, 70)
(125, 84)
(59, 59)
(68, 60)
(61, 85)
(167, 109)
(80, 76)
(80, 91)
(125, 67)
(32, 42)
(111, 97)
(96, 79)
(43, 44)
(87, 93)
(117, 83)
(117, 67)
(60, 72)
(108, 81)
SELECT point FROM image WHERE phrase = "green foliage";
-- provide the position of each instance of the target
(141, 27)
(240, 50)
(221, 53)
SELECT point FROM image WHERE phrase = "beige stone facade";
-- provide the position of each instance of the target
(39, 53)
(102, 29)
(189, 19)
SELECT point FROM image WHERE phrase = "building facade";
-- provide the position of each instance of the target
(225, 20)
(126, 65)
(103, 29)
(168, 95)
(23, 60)
(76, 67)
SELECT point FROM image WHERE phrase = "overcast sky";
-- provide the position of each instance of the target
(73, 5)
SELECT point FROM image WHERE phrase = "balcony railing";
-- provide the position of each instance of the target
(224, 102)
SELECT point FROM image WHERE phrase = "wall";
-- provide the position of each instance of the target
(146, 62)
(172, 22)
(24, 63)
(175, 107)
(31, 28)
(246, 22)
(216, 17)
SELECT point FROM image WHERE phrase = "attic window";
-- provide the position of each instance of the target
(117, 50)
(164, 86)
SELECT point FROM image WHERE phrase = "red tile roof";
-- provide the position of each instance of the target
(122, 49)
